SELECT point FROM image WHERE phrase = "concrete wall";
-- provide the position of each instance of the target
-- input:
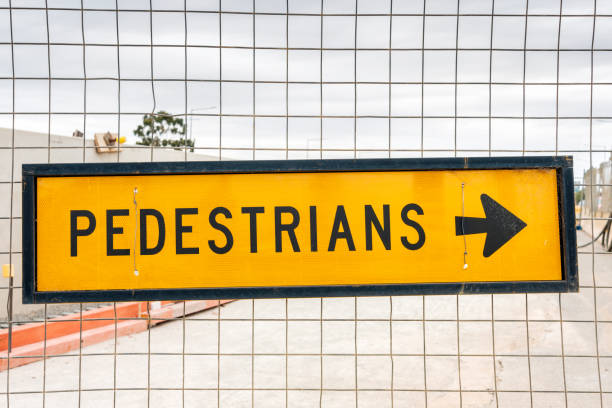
(598, 198)
(33, 147)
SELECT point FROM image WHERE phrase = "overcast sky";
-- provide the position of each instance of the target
(202, 94)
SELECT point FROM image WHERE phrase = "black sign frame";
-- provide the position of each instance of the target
(567, 221)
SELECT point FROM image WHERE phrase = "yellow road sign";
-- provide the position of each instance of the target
(180, 230)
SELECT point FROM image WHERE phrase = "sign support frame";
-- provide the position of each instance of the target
(567, 220)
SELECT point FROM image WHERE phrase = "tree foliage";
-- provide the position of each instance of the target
(579, 196)
(158, 129)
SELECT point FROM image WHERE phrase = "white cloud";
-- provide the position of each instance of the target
(206, 97)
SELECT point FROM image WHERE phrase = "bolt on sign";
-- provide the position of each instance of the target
(149, 231)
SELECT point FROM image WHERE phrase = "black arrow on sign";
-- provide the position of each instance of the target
(499, 224)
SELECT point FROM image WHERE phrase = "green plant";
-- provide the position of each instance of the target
(156, 126)
(579, 196)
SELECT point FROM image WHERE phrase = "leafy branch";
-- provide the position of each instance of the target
(155, 128)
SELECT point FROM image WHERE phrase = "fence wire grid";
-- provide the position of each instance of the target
(310, 80)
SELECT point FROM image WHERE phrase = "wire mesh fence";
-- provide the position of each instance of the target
(311, 80)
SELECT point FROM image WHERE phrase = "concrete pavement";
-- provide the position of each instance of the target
(254, 338)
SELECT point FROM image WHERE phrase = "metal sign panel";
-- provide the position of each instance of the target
(149, 231)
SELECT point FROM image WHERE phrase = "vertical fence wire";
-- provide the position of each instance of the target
(523, 134)
(556, 152)
(9, 306)
(390, 112)
(595, 316)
